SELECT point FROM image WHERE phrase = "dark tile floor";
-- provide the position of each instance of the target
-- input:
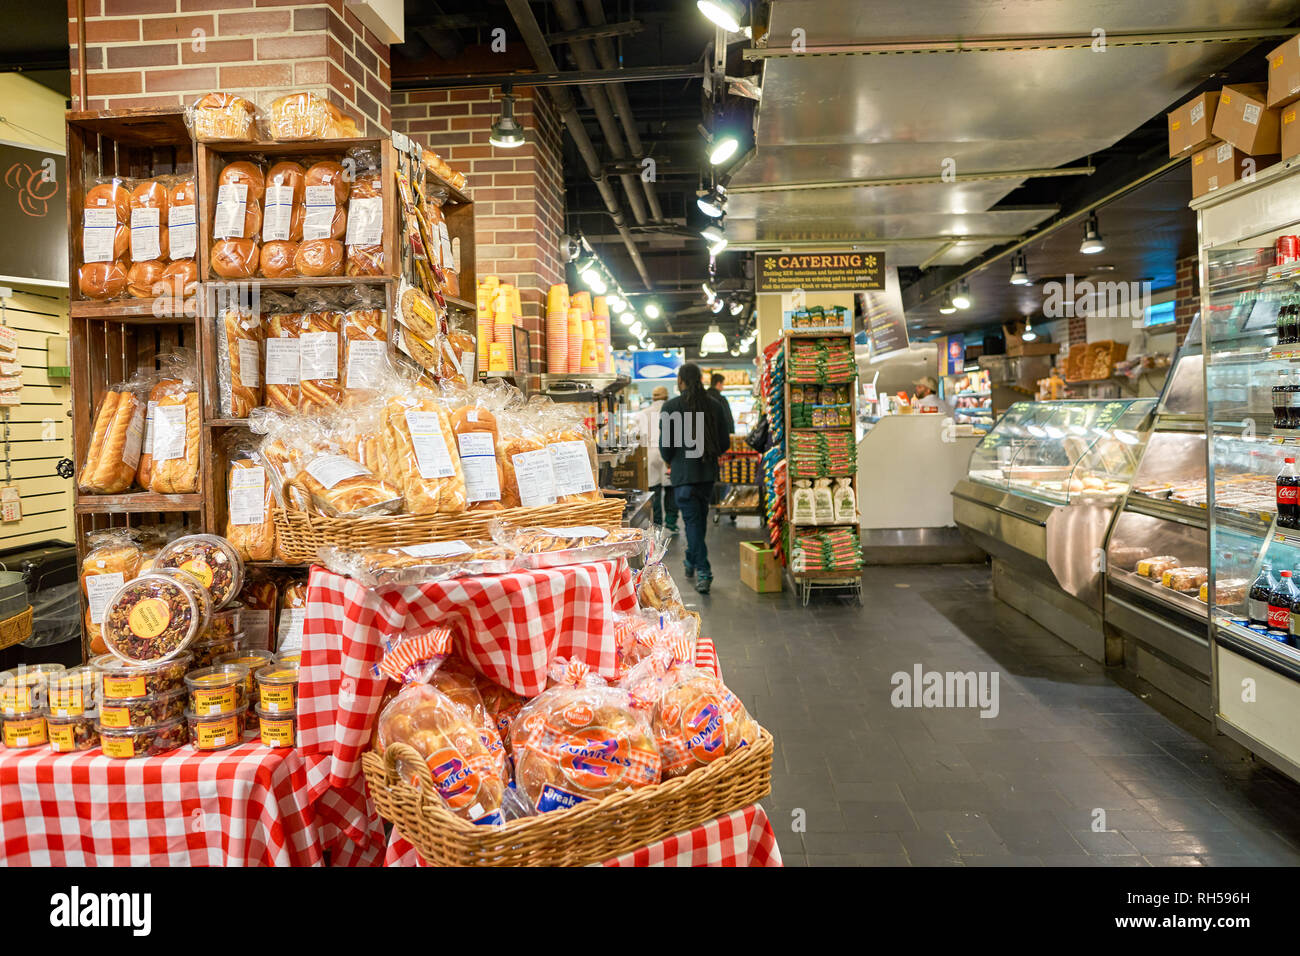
(857, 781)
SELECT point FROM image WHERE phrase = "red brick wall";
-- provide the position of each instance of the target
(146, 53)
(1187, 296)
(1078, 329)
(518, 193)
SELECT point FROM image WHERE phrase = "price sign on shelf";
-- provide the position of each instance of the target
(11, 506)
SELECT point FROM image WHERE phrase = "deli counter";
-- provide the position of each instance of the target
(1040, 494)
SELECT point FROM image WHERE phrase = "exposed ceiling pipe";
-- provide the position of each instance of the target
(598, 99)
(609, 61)
(541, 53)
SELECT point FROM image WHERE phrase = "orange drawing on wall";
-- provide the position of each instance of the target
(35, 188)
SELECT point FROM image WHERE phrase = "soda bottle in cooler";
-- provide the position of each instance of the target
(1283, 598)
(1280, 400)
(1288, 321)
(1291, 403)
(1257, 598)
(1288, 495)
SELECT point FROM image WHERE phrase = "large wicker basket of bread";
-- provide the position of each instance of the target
(591, 832)
(300, 535)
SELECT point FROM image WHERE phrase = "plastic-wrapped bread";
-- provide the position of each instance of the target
(364, 337)
(573, 457)
(98, 432)
(144, 472)
(239, 362)
(319, 385)
(523, 448)
(119, 456)
(113, 559)
(1154, 567)
(477, 438)
(176, 427)
(282, 352)
(221, 117)
(419, 446)
(282, 218)
(365, 227)
(341, 488)
(249, 503)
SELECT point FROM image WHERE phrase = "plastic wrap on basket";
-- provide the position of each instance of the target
(419, 563)
(335, 483)
(655, 587)
(541, 547)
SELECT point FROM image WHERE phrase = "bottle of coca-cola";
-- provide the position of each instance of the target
(1257, 599)
(1283, 598)
(1288, 495)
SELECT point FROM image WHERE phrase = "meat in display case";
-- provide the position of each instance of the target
(1252, 381)
(1039, 496)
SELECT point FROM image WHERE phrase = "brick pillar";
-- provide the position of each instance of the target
(168, 52)
(1078, 326)
(518, 193)
(1187, 296)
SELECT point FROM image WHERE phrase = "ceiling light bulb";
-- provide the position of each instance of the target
(590, 276)
(947, 308)
(627, 318)
(962, 299)
(650, 343)
(1019, 270)
(723, 148)
(713, 203)
(598, 286)
(718, 247)
(1092, 242)
(652, 310)
(713, 341)
(737, 307)
(725, 13)
(638, 329)
(631, 348)
(615, 303)
(716, 306)
(712, 234)
(506, 133)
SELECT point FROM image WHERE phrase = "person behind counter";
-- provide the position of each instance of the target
(925, 394)
(692, 434)
(656, 471)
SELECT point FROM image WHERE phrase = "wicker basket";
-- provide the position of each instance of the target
(16, 629)
(588, 833)
(300, 535)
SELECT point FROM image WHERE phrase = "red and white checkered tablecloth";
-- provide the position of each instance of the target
(509, 625)
(741, 838)
(246, 806)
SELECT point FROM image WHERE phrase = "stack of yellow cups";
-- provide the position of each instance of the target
(590, 364)
(503, 336)
(487, 288)
(557, 329)
(600, 319)
(575, 339)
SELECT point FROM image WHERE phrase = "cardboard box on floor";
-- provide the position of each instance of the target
(1220, 165)
(759, 568)
(1190, 124)
(1284, 73)
(1245, 120)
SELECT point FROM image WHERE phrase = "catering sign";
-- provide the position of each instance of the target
(820, 271)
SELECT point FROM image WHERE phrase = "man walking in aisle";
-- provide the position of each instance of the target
(647, 421)
(692, 434)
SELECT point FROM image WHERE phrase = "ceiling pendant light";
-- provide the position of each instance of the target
(590, 276)
(713, 203)
(737, 307)
(1029, 334)
(649, 343)
(947, 308)
(725, 13)
(1019, 270)
(1092, 243)
(506, 133)
(652, 310)
(723, 148)
(962, 299)
(713, 341)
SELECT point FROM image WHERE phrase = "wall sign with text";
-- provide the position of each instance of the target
(819, 271)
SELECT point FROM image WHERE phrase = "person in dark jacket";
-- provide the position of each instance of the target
(715, 392)
(692, 434)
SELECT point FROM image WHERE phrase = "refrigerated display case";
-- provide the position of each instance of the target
(1163, 630)
(1255, 678)
(1040, 494)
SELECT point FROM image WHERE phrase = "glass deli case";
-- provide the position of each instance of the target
(1039, 496)
(1250, 286)
(1163, 525)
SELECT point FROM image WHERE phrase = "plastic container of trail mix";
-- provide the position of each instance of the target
(219, 689)
(143, 741)
(145, 711)
(73, 733)
(254, 660)
(210, 559)
(278, 728)
(154, 617)
(277, 687)
(23, 730)
(208, 650)
(225, 623)
(293, 657)
(23, 689)
(216, 731)
(73, 692)
(119, 681)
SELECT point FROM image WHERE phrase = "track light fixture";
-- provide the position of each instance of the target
(1092, 242)
(506, 133)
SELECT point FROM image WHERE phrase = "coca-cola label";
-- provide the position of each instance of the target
(1288, 494)
(1279, 618)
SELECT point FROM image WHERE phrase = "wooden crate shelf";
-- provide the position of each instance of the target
(137, 503)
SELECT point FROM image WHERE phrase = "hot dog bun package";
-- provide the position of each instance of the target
(116, 438)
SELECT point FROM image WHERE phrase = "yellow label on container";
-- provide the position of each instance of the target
(115, 716)
(25, 733)
(117, 688)
(15, 698)
(219, 701)
(63, 738)
(150, 617)
(277, 697)
(216, 733)
(200, 569)
(277, 732)
(118, 746)
(67, 701)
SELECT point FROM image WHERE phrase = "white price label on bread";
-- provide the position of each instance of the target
(437, 549)
(431, 454)
(278, 214)
(365, 221)
(318, 223)
(478, 460)
(535, 478)
(319, 356)
(97, 232)
(134, 438)
(250, 360)
(572, 467)
(366, 363)
(329, 470)
(182, 232)
(578, 531)
(145, 243)
(282, 361)
(247, 494)
(228, 217)
(99, 589)
(168, 432)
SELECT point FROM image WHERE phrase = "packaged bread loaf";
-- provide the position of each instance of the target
(105, 239)
(319, 384)
(98, 433)
(308, 115)
(365, 227)
(119, 456)
(292, 613)
(149, 204)
(176, 427)
(144, 472)
(477, 438)
(283, 212)
(237, 220)
(573, 454)
(221, 117)
(1154, 567)
(102, 280)
(113, 558)
(179, 281)
(182, 218)
(527, 476)
(239, 361)
(282, 351)
(336, 484)
(420, 448)
(364, 336)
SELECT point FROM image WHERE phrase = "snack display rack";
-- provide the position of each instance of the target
(804, 582)
(1241, 286)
